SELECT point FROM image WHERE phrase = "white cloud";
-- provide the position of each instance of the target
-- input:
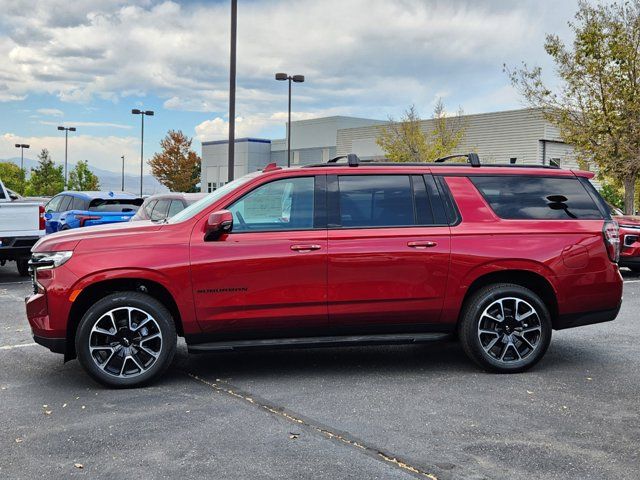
(373, 54)
(50, 112)
(101, 152)
(88, 124)
(251, 126)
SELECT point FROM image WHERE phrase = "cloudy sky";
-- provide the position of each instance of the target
(86, 63)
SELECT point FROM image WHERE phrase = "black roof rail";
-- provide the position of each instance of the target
(471, 157)
(352, 159)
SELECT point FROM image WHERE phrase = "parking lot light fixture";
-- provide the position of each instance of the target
(66, 148)
(22, 146)
(296, 79)
(142, 114)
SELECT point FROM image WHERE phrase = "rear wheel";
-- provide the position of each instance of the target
(505, 328)
(126, 339)
(634, 269)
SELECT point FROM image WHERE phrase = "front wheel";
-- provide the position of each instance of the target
(23, 267)
(505, 328)
(126, 339)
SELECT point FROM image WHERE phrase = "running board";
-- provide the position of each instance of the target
(386, 339)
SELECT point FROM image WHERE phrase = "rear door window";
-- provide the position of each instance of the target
(375, 201)
(537, 198)
(78, 204)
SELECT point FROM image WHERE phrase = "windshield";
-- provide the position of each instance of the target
(210, 199)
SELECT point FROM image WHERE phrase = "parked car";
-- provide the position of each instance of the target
(84, 209)
(21, 226)
(629, 239)
(337, 254)
(164, 205)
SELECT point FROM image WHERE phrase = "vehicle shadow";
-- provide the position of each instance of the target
(435, 357)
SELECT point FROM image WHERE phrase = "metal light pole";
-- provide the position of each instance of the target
(66, 148)
(232, 92)
(297, 79)
(142, 114)
(122, 172)
(22, 146)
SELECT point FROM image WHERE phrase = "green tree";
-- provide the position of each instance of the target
(46, 179)
(612, 194)
(12, 176)
(406, 141)
(597, 103)
(177, 167)
(83, 179)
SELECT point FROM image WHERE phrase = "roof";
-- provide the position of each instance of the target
(189, 197)
(90, 195)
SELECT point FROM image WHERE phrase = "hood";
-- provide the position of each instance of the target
(627, 220)
(69, 239)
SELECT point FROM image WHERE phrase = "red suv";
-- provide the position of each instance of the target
(629, 239)
(339, 253)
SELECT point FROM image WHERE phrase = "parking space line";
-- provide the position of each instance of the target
(340, 437)
(20, 345)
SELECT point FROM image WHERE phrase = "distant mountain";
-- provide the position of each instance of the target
(108, 180)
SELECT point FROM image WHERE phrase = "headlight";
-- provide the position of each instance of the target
(50, 259)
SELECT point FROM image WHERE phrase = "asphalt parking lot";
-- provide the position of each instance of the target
(368, 412)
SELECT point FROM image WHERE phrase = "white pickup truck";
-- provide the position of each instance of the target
(21, 225)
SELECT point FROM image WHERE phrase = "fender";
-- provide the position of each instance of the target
(509, 264)
(182, 294)
(457, 287)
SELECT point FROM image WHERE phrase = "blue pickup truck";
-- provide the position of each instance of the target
(83, 209)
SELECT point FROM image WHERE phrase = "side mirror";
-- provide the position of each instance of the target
(219, 222)
(13, 196)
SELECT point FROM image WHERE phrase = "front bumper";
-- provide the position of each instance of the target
(56, 345)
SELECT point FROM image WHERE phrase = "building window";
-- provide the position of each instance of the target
(211, 186)
(296, 157)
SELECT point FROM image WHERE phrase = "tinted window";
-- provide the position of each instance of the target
(78, 204)
(65, 203)
(285, 204)
(516, 197)
(160, 210)
(53, 204)
(375, 201)
(115, 205)
(176, 206)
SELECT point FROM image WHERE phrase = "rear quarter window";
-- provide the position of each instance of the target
(537, 198)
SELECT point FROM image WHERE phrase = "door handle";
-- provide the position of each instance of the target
(305, 247)
(425, 244)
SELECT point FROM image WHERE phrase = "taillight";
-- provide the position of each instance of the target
(611, 235)
(42, 221)
(83, 218)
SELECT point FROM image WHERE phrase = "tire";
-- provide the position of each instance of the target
(126, 339)
(634, 269)
(512, 344)
(23, 267)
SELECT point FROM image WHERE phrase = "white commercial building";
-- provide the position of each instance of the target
(497, 137)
